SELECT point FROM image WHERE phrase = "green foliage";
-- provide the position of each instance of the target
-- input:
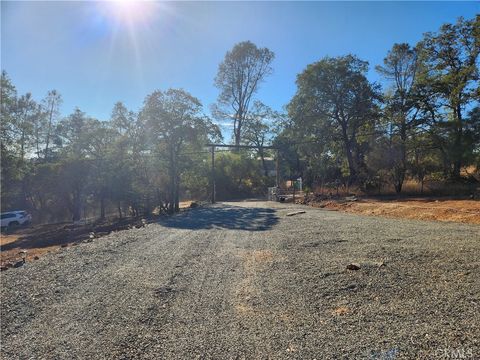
(335, 106)
(339, 130)
(239, 175)
(122, 164)
(174, 121)
(449, 80)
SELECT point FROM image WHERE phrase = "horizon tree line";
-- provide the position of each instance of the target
(339, 128)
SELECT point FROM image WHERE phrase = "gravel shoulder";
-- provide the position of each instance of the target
(244, 280)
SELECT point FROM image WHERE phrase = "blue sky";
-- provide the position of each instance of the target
(96, 55)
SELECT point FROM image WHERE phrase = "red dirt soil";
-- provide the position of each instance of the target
(463, 211)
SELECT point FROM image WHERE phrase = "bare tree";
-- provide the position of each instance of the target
(400, 69)
(238, 78)
(27, 112)
(51, 107)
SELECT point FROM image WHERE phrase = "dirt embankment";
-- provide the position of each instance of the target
(38, 240)
(463, 211)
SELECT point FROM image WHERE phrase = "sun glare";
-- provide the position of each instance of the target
(129, 11)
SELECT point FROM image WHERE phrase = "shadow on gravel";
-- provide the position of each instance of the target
(225, 217)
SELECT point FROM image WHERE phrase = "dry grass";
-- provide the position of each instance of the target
(14, 255)
(247, 292)
(7, 239)
(342, 310)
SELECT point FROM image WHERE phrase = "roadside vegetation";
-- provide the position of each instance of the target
(340, 130)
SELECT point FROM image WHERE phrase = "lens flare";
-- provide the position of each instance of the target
(128, 11)
(135, 25)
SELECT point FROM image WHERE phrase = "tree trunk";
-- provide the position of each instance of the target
(102, 206)
(37, 141)
(237, 129)
(47, 140)
(399, 184)
(119, 208)
(264, 164)
(351, 164)
(348, 150)
(171, 200)
(147, 207)
(458, 151)
(237, 137)
(403, 157)
(177, 194)
(77, 205)
(22, 146)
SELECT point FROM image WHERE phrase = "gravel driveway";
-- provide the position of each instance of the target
(243, 280)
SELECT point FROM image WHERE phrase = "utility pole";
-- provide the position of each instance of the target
(213, 174)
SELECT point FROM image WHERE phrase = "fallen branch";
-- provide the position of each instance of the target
(296, 213)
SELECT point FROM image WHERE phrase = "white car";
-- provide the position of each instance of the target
(15, 218)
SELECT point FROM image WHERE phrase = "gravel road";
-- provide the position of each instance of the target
(243, 280)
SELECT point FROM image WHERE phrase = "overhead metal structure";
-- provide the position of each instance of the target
(212, 149)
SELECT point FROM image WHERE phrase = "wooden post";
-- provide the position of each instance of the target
(213, 174)
(293, 183)
(277, 170)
